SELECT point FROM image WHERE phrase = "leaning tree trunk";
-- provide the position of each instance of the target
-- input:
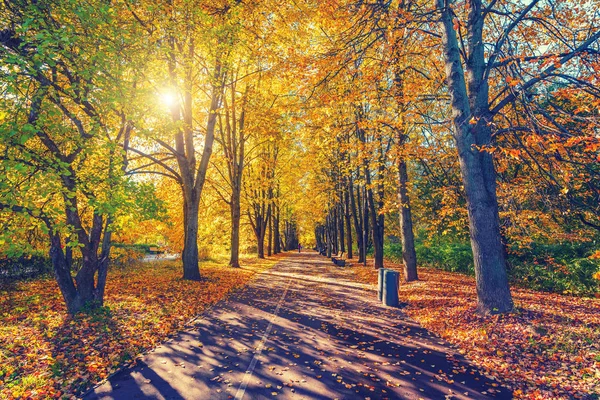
(409, 255)
(62, 271)
(86, 288)
(477, 168)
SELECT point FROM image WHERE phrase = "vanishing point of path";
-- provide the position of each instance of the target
(302, 330)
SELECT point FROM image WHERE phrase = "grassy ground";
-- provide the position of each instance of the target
(549, 348)
(46, 354)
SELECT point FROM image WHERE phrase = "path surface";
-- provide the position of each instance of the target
(302, 330)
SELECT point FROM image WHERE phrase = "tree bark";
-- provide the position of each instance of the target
(191, 270)
(357, 217)
(236, 212)
(277, 235)
(334, 230)
(341, 235)
(348, 222)
(366, 224)
(471, 121)
(270, 236)
(409, 255)
(376, 222)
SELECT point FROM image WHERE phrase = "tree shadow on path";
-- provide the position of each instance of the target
(303, 330)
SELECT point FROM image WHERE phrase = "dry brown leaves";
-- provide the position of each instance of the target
(46, 354)
(549, 348)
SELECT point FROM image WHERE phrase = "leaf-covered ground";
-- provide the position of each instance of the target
(44, 353)
(549, 348)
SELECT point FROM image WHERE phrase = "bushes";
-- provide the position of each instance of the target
(25, 267)
(563, 267)
(568, 268)
(446, 255)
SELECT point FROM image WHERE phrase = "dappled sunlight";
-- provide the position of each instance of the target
(145, 304)
(546, 348)
(311, 332)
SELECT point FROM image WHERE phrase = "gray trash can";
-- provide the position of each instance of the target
(391, 283)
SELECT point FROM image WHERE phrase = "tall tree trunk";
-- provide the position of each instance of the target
(277, 235)
(471, 124)
(191, 270)
(357, 216)
(409, 254)
(340, 213)
(366, 224)
(234, 260)
(270, 236)
(376, 222)
(334, 231)
(261, 248)
(348, 222)
(329, 236)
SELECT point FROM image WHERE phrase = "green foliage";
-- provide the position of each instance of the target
(561, 267)
(24, 267)
(444, 253)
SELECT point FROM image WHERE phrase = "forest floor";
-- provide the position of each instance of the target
(549, 348)
(303, 330)
(322, 332)
(45, 354)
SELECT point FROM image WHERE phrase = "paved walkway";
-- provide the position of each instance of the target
(302, 330)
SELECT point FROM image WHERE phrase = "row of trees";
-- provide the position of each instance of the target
(520, 80)
(101, 100)
(355, 118)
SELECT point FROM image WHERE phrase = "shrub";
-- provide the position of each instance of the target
(446, 255)
(25, 267)
(569, 268)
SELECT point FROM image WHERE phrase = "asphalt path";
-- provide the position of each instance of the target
(302, 330)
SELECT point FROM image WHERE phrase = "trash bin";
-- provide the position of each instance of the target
(380, 283)
(391, 282)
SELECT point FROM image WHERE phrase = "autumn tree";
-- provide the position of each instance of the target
(192, 45)
(64, 123)
(480, 92)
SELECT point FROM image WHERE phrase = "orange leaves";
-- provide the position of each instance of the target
(512, 82)
(45, 354)
(546, 349)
